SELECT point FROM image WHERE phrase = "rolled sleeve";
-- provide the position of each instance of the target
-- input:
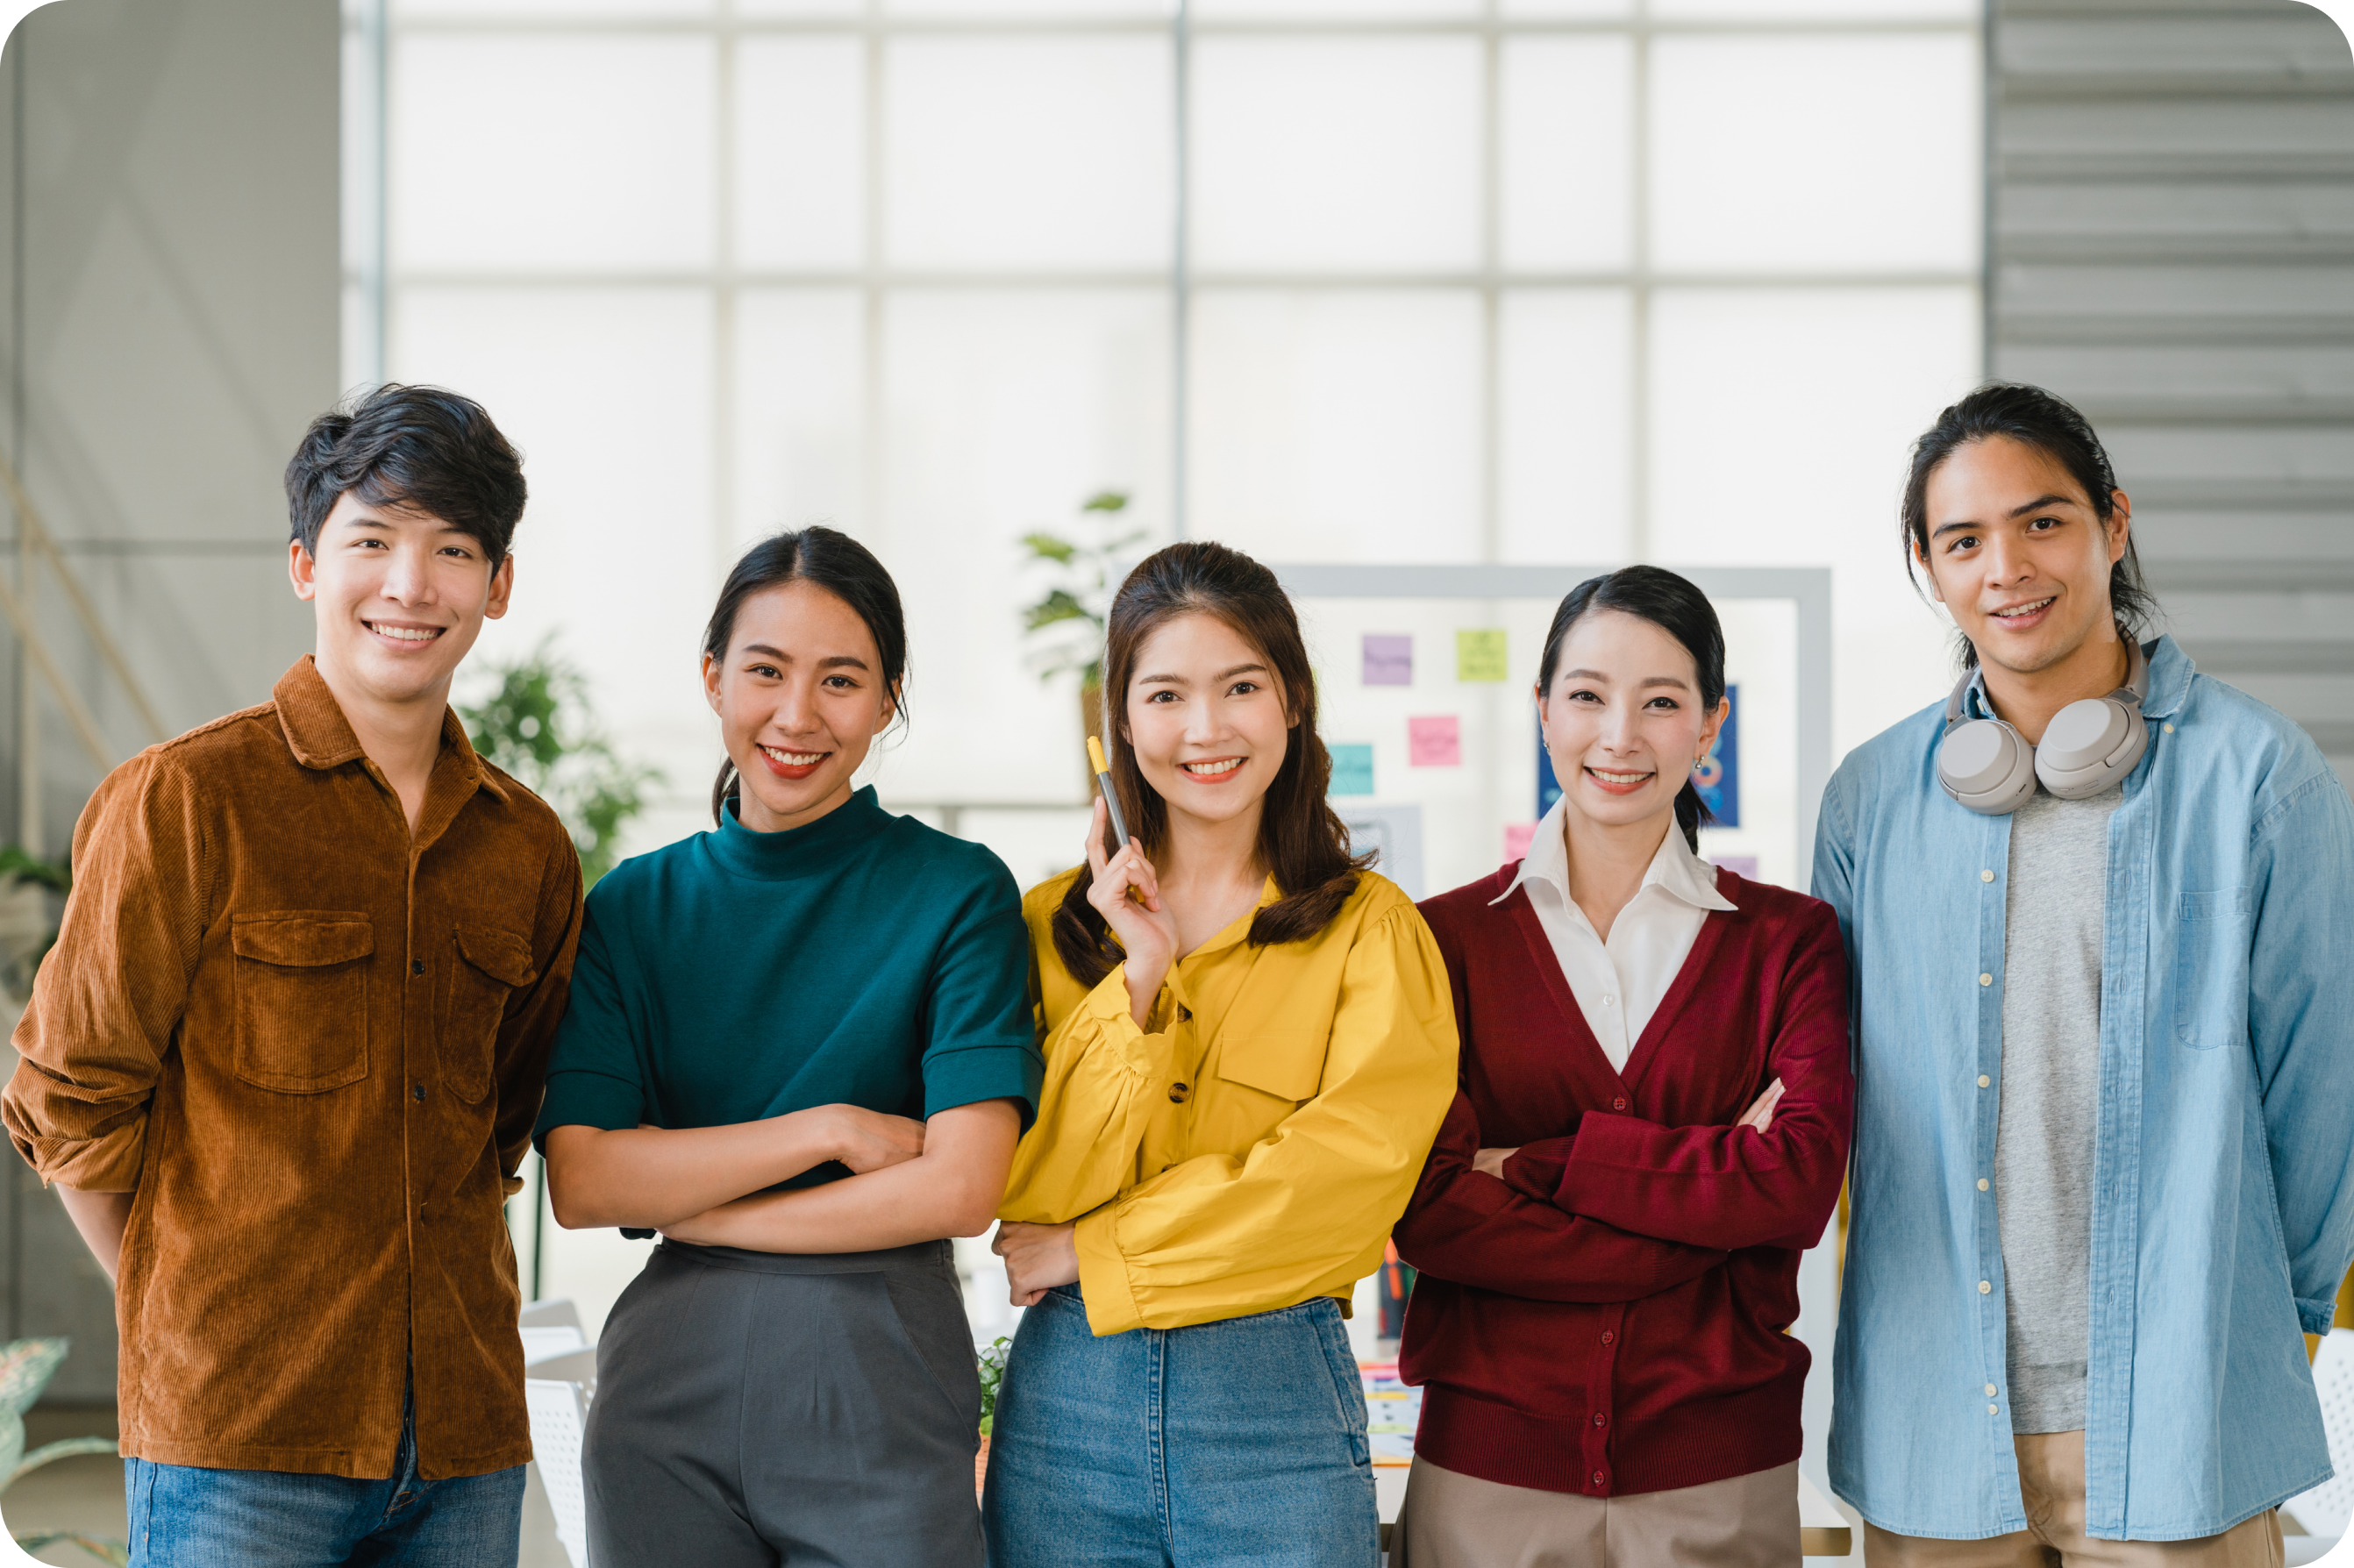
(111, 993)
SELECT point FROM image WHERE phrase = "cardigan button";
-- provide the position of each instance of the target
(1619, 1103)
(1598, 1418)
(1598, 1477)
(1608, 1336)
(1179, 1094)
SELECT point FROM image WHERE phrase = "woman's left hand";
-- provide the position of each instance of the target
(1037, 1258)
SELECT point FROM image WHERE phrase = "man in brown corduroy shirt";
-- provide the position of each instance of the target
(284, 1061)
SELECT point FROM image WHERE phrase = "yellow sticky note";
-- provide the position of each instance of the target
(1480, 656)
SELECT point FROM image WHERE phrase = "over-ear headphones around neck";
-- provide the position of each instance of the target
(2089, 744)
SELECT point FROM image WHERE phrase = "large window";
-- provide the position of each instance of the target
(1545, 281)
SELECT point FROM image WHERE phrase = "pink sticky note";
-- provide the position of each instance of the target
(1435, 742)
(1389, 659)
(1518, 836)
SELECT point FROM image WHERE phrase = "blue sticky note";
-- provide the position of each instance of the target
(1718, 777)
(1352, 770)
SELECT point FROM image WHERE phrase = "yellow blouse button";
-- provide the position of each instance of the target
(1179, 1094)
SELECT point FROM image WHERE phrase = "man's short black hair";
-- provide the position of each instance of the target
(425, 447)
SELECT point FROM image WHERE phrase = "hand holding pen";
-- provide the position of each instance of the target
(1126, 894)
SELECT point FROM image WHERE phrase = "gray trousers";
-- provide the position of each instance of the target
(756, 1409)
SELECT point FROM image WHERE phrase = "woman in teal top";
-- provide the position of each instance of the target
(798, 1046)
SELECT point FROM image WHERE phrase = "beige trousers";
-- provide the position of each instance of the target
(1453, 1520)
(2052, 1485)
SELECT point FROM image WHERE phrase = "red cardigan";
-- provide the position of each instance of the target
(1609, 1318)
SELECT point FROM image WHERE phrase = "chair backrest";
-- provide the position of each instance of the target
(543, 1341)
(556, 1392)
(2326, 1510)
(546, 1314)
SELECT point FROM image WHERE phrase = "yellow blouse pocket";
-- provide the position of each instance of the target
(300, 996)
(491, 965)
(1287, 1063)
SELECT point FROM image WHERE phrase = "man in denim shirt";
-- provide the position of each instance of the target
(2103, 1163)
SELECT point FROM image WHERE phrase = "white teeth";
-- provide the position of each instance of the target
(1618, 777)
(1211, 769)
(406, 633)
(2021, 610)
(794, 758)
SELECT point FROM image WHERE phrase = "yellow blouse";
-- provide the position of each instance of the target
(1253, 1150)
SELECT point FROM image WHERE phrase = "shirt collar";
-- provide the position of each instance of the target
(2170, 670)
(1676, 868)
(322, 738)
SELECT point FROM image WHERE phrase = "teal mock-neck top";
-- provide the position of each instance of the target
(863, 959)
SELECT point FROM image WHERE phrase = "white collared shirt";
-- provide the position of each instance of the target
(1619, 984)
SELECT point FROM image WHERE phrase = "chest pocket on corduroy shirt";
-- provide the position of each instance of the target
(488, 965)
(299, 993)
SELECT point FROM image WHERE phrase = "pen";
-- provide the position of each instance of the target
(1103, 782)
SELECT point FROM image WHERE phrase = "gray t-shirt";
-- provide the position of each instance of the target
(2054, 908)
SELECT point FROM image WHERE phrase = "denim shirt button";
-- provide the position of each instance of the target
(1985, 1286)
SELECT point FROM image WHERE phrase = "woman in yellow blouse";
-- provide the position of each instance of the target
(1250, 1045)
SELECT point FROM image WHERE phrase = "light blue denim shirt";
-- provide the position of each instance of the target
(2224, 1158)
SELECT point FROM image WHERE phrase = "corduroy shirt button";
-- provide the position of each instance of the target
(416, 966)
(417, 1091)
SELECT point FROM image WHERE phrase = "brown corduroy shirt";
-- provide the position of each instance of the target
(313, 1045)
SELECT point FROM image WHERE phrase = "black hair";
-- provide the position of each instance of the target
(2052, 426)
(423, 447)
(1676, 607)
(843, 567)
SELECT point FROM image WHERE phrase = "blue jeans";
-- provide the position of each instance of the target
(1239, 1442)
(183, 1516)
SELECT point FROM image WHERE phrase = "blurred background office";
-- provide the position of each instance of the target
(1519, 283)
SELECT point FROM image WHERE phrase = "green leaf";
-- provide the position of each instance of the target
(1106, 501)
(1046, 546)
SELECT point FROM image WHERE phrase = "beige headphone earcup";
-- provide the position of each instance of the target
(2089, 745)
(1987, 766)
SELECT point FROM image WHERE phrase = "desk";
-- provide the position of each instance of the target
(1822, 1530)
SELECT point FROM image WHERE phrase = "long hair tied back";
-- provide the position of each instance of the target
(1301, 840)
(1676, 605)
(845, 569)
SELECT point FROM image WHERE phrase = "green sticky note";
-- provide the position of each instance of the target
(1352, 770)
(1480, 656)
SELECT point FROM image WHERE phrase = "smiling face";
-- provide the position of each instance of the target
(800, 697)
(1205, 719)
(399, 597)
(2019, 557)
(1623, 719)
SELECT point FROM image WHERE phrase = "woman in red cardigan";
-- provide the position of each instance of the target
(1651, 1127)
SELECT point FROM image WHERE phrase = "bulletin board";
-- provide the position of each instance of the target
(1425, 680)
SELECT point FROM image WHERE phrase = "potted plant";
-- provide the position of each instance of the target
(536, 723)
(1066, 627)
(993, 1377)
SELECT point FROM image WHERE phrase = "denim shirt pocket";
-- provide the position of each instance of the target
(2210, 969)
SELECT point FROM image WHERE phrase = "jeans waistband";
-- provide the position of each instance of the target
(930, 1255)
